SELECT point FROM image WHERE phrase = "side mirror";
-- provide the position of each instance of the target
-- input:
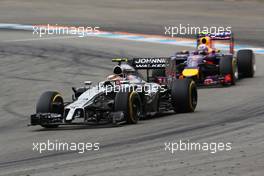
(87, 84)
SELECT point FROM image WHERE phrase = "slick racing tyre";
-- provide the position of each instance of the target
(130, 104)
(227, 67)
(50, 102)
(184, 95)
(246, 63)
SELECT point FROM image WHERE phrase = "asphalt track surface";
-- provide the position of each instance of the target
(142, 16)
(29, 66)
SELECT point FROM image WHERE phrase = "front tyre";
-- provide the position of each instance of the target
(130, 104)
(50, 102)
(184, 95)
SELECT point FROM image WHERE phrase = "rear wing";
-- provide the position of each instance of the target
(150, 63)
(217, 36)
(227, 35)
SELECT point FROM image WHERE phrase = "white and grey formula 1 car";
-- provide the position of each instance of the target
(125, 97)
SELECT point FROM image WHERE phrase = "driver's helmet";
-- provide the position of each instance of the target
(203, 49)
(117, 74)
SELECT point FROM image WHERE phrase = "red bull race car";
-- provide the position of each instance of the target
(210, 66)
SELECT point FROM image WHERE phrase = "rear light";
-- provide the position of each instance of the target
(228, 78)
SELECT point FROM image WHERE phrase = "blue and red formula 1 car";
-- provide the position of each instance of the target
(209, 66)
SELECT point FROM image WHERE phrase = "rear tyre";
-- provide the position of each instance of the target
(246, 63)
(130, 104)
(227, 67)
(184, 95)
(50, 102)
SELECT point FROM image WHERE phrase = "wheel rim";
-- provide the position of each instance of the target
(193, 96)
(134, 106)
(254, 68)
(236, 74)
(136, 110)
(57, 105)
